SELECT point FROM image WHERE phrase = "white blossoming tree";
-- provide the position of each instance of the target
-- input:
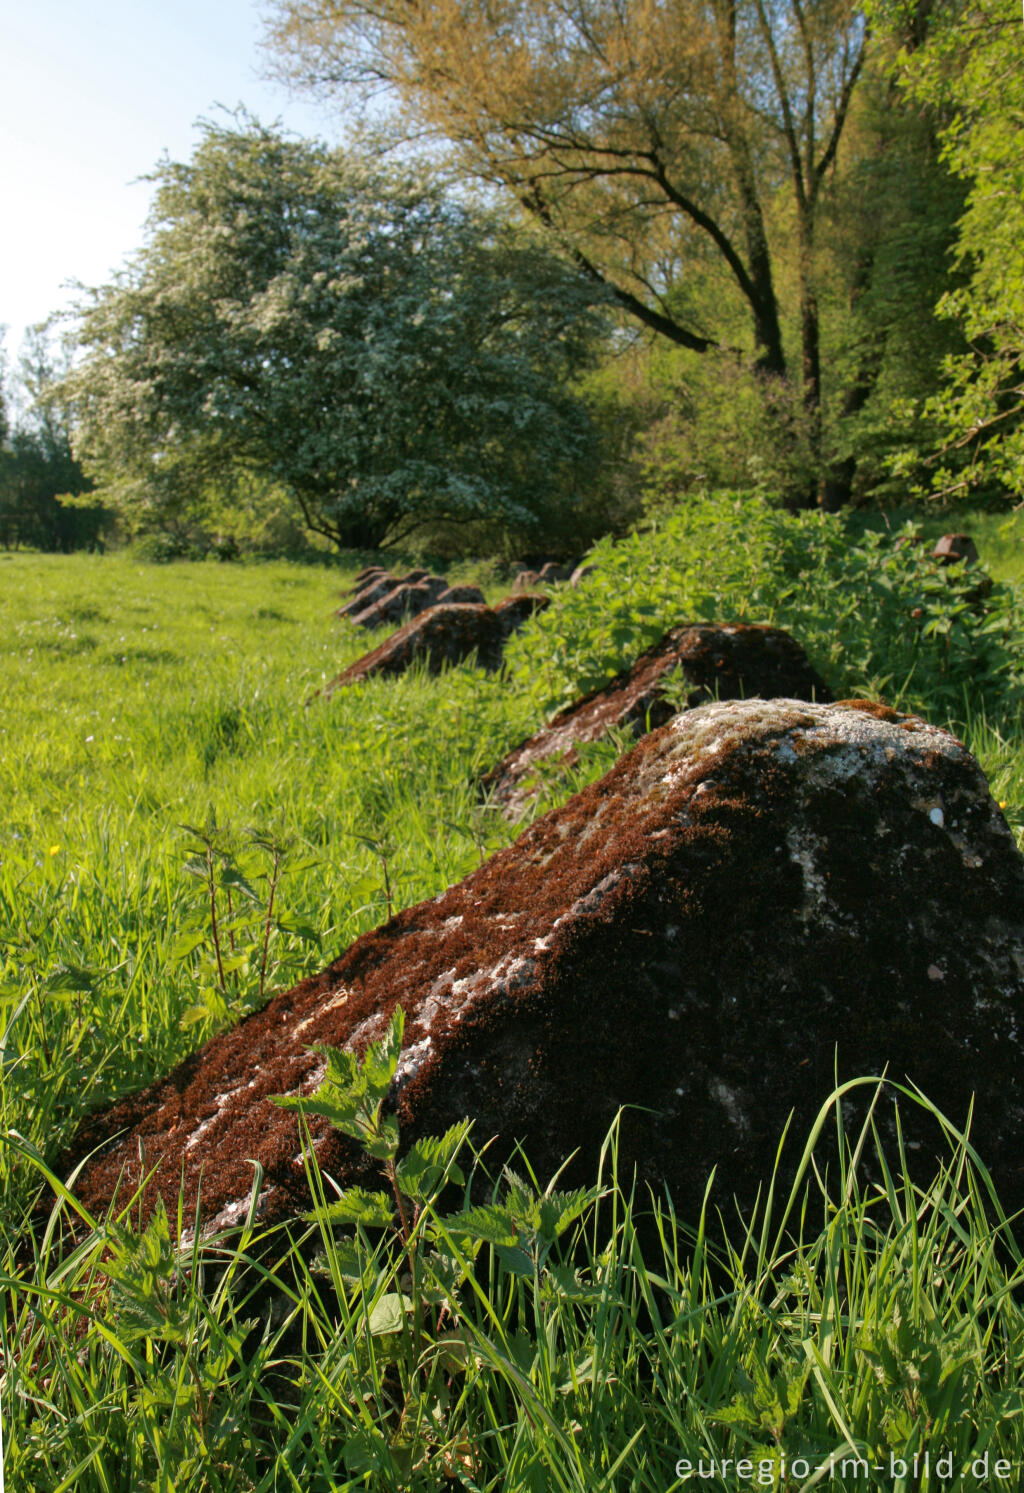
(387, 354)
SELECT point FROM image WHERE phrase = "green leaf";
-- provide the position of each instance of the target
(340, 1096)
(356, 1205)
(231, 877)
(244, 923)
(389, 1314)
(186, 943)
(515, 1260)
(297, 928)
(381, 1060)
(428, 1161)
(71, 979)
(350, 1260)
(193, 1015)
(583, 1370)
(384, 1145)
(233, 963)
(557, 1210)
(488, 1222)
(140, 1268)
(366, 1453)
(562, 1282)
(453, 1350)
(447, 1271)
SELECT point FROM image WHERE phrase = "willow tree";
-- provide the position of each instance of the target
(653, 138)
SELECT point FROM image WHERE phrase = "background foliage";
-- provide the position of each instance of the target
(973, 70)
(40, 478)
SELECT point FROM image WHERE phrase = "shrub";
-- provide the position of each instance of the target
(875, 613)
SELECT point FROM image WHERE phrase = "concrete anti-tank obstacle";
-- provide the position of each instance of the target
(760, 895)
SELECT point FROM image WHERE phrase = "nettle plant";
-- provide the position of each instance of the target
(875, 613)
(414, 1271)
(236, 937)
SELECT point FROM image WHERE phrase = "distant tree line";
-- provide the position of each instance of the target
(38, 471)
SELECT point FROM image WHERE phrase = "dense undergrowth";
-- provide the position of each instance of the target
(137, 700)
(875, 615)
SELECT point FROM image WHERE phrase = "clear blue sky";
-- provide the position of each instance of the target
(91, 95)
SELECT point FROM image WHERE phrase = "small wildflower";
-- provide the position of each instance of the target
(1002, 803)
(55, 850)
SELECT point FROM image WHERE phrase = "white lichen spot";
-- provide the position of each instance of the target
(220, 1100)
(727, 1098)
(801, 852)
(594, 899)
(228, 1216)
(198, 1133)
(412, 1061)
(442, 983)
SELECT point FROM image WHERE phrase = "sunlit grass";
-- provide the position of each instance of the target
(191, 700)
(998, 535)
(135, 699)
(635, 1352)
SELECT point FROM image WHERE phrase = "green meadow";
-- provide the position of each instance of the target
(153, 715)
(139, 699)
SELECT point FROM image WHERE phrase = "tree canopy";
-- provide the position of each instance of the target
(653, 140)
(388, 354)
(973, 68)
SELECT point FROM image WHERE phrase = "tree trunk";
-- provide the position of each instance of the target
(810, 493)
(771, 358)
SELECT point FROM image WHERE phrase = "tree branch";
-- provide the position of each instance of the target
(704, 221)
(789, 128)
(656, 320)
(841, 111)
